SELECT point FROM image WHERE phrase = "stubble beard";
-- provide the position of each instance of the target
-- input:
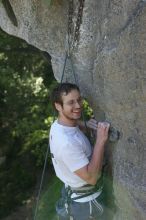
(72, 118)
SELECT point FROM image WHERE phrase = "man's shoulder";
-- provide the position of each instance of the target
(56, 129)
(64, 135)
(58, 133)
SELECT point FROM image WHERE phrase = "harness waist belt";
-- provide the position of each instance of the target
(88, 188)
(84, 191)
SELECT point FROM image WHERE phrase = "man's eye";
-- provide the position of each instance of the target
(80, 99)
(71, 102)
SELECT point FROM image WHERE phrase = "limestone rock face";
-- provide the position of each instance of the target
(110, 65)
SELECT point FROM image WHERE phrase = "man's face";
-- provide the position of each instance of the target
(71, 108)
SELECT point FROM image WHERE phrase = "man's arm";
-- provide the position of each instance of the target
(91, 172)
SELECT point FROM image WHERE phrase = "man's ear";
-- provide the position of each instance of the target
(58, 106)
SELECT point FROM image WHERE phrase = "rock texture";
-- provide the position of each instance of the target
(110, 66)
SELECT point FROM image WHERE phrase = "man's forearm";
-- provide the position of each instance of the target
(95, 166)
(91, 172)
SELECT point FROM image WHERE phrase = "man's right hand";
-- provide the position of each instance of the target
(102, 132)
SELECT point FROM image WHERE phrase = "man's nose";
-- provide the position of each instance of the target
(77, 104)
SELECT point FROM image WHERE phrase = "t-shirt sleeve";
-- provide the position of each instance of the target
(74, 156)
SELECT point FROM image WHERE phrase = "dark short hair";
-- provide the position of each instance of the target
(62, 88)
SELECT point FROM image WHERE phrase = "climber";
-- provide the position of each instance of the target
(76, 163)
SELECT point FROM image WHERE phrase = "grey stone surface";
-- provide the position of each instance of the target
(110, 65)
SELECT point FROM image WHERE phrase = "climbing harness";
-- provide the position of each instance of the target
(84, 191)
(64, 204)
(80, 192)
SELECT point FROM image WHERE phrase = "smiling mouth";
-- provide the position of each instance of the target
(77, 112)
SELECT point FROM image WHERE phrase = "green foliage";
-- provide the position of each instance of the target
(24, 96)
(14, 185)
(88, 112)
(48, 199)
(26, 81)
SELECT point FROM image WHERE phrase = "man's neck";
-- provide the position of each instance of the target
(68, 123)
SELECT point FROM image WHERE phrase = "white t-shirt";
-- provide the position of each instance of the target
(71, 150)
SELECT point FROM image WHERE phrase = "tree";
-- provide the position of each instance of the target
(26, 80)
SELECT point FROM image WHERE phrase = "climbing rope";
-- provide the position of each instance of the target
(114, 134)
(47, 152)
(71, 45)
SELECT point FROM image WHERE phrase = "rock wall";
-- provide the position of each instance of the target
(110, 66)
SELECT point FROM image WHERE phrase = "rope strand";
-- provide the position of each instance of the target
(67, 56)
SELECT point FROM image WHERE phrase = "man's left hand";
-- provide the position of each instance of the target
(92, 124)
